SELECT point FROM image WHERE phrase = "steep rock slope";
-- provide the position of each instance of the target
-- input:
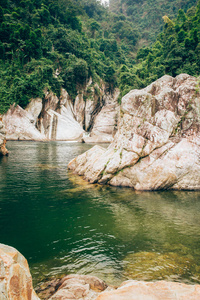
(63, 118)
(157, 145)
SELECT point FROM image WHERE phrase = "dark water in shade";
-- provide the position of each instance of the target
(63, 225)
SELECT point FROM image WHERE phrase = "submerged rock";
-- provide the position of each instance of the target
(16, 284)
(15, 277)
(157, 144)
(157, 266)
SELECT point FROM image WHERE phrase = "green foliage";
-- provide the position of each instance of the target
(175, 51)
(50, 44)
(54, 44)
(146, 15)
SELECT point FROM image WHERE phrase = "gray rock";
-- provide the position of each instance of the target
(157, 144)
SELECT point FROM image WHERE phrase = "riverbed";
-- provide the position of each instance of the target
(64, 225)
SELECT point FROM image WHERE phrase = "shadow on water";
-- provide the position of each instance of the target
(64, 225)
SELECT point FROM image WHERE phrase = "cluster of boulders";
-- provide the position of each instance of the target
(16, 284)
(157, 144)
(3, 150)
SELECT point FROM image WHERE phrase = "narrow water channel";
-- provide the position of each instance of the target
(63, 225)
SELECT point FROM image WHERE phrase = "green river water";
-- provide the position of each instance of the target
(64, 225)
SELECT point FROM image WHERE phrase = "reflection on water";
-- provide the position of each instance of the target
(64, 225)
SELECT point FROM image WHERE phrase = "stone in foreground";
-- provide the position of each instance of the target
(160, 290)
(15, 277)
(79, 287)
(157, 144)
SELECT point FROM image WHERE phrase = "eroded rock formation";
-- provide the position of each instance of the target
(15, 278)
(157, 144)
(91, 116)
(3, 150)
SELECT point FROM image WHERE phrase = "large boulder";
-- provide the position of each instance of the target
(83, 287)
(15, 277)
(160, 290)
(20, 125)
(3, 150)
(157, 144)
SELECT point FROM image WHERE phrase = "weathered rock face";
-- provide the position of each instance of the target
(15, 278)
(160, 290)
(19, 125)
(54, 118)
(83, 287)
(105, 123)
(3, 150)
(157, 145)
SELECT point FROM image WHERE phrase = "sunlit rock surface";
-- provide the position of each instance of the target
(3, 150)
(15, 278)
(160, 290)
(16, 283)
(78, 287)
(157, 144)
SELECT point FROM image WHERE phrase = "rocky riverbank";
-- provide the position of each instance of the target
(16, 284)
(3, 150)
(90, 117)
(157, 144)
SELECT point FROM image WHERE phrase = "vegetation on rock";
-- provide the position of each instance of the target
(46, 45)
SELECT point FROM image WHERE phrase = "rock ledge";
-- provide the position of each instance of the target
(157, 144)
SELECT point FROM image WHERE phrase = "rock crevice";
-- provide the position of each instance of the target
(157, 143)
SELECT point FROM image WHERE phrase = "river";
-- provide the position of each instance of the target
(64, 225)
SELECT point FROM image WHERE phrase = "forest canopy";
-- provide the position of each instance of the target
(54, 44)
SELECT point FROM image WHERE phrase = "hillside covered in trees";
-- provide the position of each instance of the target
(54, 44)
(146, 15)
(176, 50)
(58, 43)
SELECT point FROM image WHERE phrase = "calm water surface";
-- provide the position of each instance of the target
(63, 225)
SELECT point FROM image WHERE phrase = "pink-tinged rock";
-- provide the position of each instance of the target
(105, 121)
(15, 277)
(20, 125)
(161, 290)
(82, 287)
(157, 144)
